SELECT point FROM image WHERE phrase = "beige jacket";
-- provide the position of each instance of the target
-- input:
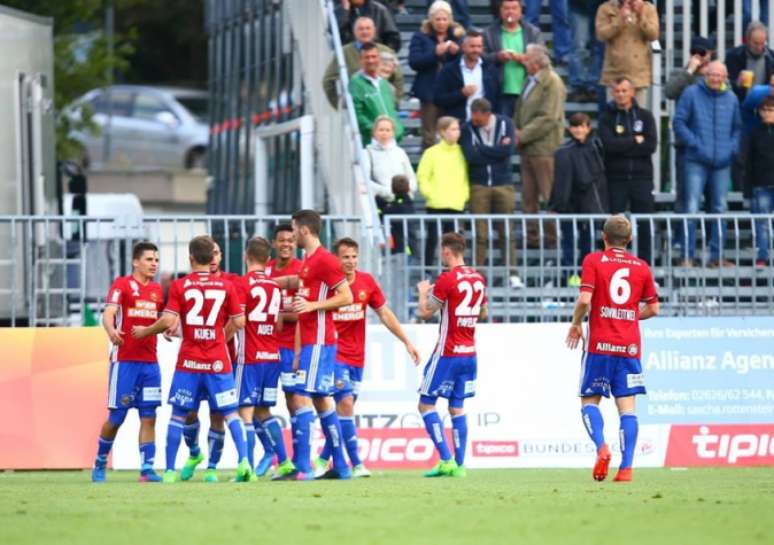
(540, 117)
(627, 43)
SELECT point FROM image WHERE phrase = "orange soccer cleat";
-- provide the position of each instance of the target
(602, 463)
(624, 475)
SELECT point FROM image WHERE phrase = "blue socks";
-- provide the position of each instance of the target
(215, 440)
(434, 428)
(594, 424)
(294, 438)
(263, 436)
(239, 435)
(349, 435)
(174, 435)
(628, 436)
(332, 429)
(274, 434)
(325, 453)
(460, 435)
(147, 456)
(250, 431)
(103, 449)
(191, 435)
(303, 439)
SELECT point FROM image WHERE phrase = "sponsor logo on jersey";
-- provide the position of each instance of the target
(733, 445)
(201, 366)
(266, 356)
(463, 349)
(498, 449)
(143, 309)
(349, 313)
(608, 347)
(135, 288)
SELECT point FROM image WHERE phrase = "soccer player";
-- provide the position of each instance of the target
(613, 284)
(135, 378)
(258, 371)
(350, 324)
(209, 311)
(460, 295)
(320, 276)
(285, 264)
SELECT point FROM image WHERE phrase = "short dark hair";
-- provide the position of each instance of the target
(455, 242)
(258, 250)
(620, 80)
(481, 105)
(142, 247)
(400, 184)
(281, 227)
(309, 219)
(579, 118)
(346, 242)
(767, 102)
(368, 46)
(473, 33)
(202, 248)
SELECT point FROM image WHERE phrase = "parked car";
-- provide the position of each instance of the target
(150, 127)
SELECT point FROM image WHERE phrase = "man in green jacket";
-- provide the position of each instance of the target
(365, 32)
(372, 95)
(539, 121)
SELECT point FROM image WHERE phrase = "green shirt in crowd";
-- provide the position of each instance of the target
(514, 74)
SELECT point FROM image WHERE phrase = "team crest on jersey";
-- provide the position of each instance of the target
(305, 272)
(362, 295)
(217, 366)
(153, 296)
(632, 350)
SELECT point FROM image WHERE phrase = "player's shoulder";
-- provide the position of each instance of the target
(362, 277)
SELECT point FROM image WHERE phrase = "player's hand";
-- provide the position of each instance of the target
(116, 337)
(424, 287)
(413, 352)
(574, 336)
(453, 47)
(301, 305)
(138, 332)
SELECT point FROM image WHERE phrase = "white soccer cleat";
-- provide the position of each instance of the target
(360, 472)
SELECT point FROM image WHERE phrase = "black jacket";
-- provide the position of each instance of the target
(761, 156)
(489, 165)
(625, 159)
(736, 61)
(402, 204)
(386, 30)
(447, 91)
(579, 186)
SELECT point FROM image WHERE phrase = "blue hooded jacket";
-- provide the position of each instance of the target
(710, 124)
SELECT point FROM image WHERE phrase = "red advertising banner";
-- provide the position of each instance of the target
(721, 445)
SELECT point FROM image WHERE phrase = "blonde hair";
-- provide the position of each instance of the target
(440, 5)
(618, 230)
(383, 118)
(445, 122)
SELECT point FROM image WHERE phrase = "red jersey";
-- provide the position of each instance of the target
(137, 305)
(618, 282)
(350, 320)
(320, 275)
(233, 346)
(204, 304)
(461, 292)
(261, 298)
(287, 337)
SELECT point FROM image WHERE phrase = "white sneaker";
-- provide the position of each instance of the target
(320, 467)
(360, 472)
(516, 282)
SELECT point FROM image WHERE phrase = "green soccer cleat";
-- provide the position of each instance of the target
(283, 470)
(459, 472)
(320, 467)
(442, 469)
(169, 476)
(210, 475)
(244, 470)
(190, 466)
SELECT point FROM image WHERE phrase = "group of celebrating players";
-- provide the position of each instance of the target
(301, 324)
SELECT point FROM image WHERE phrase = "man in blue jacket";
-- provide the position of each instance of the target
(708, 121)
(460, 83)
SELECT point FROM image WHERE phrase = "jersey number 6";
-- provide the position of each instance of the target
(620, 289)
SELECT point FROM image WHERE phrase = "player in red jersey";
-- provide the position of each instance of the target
(135, 378)
(258, 371)
(460, 295)
(209, 311)
(613, 285)
(350, 324)
(322, 288)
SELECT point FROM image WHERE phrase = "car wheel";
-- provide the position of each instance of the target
(197, 159)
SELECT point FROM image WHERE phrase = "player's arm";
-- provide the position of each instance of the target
(391, 322)
(289, 282)
(427, 305)
(649, 310)
(234, 324)
(483, 313)
(342, 297)
(582, 306)
(109, 323)
(285, 318)
(165, 322)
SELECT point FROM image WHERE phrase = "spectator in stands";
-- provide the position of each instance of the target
(401, 204)
(384, 159)
(752, 102)
(386, 31)
(752, 63)
(539, 121)
(388, 65)
(708, 121)
(460, 83)
(761, 176)
(436, 44)
(579, 187)
(443, 181)
(460, 9)
(629, 136)
(586, 55)
(371, 95)
(488, 144)
(627, 27)
(560, 27)
(505, 42)
(365, 32)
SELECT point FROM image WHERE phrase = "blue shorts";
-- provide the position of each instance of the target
(256, 384)
(188, 390)
(134, 384)
(347, 381)
(287, 375)
(451, 377)
(316, 370)
(603, 375)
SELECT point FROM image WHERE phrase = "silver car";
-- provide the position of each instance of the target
(151, 127)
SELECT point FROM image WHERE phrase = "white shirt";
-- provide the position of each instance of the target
(475, 77)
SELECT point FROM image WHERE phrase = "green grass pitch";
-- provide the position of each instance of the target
(661, 507)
